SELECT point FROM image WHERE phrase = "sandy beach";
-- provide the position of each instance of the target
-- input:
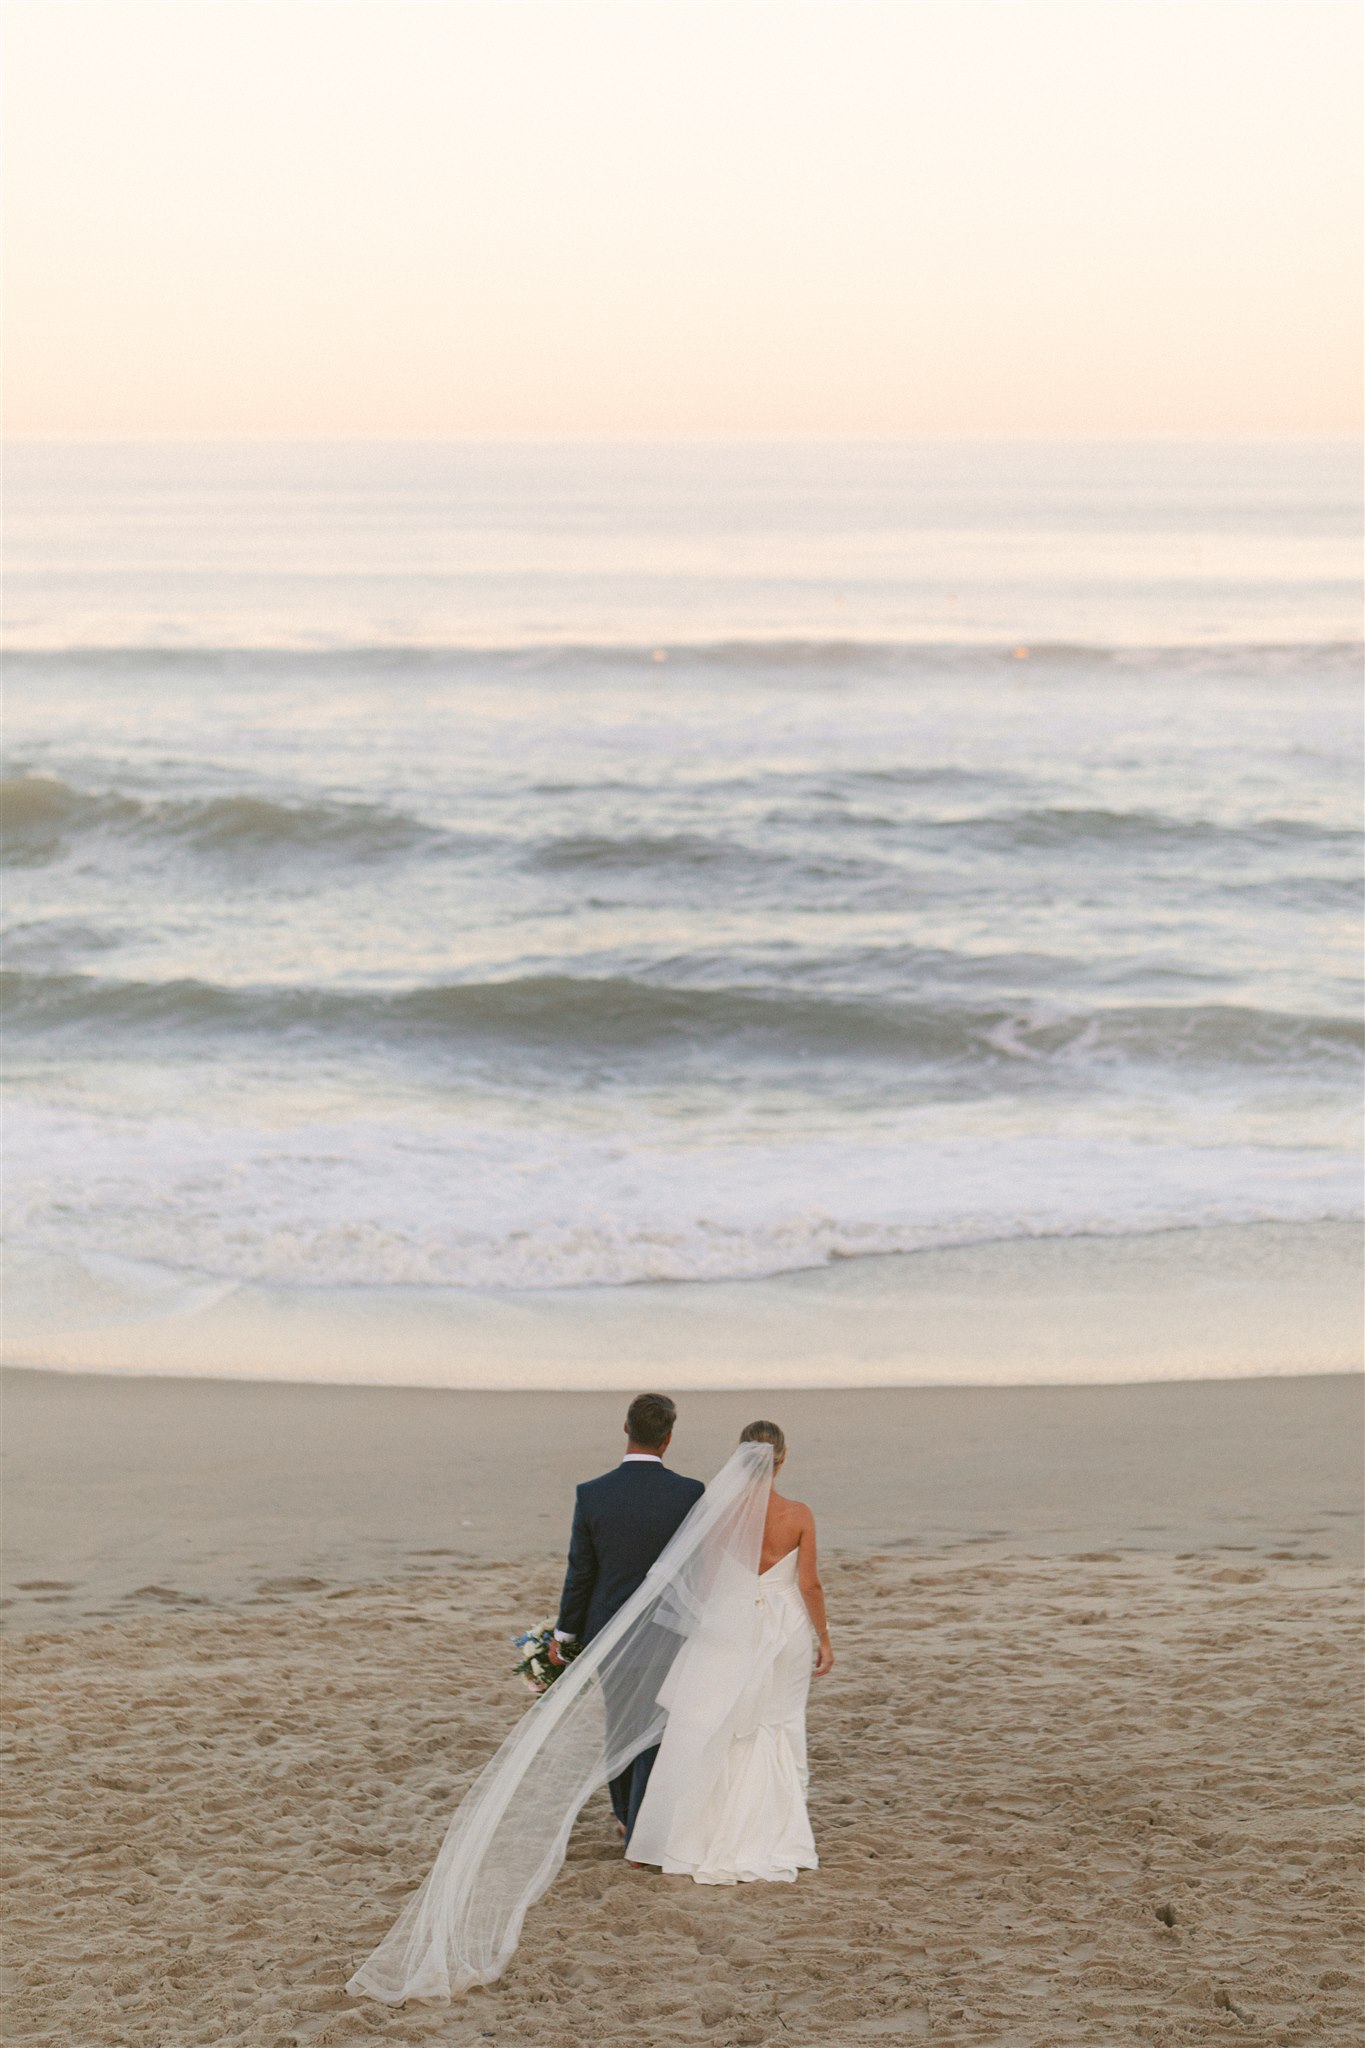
(1086, 1769)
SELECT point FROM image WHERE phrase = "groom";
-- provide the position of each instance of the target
(621, 1523)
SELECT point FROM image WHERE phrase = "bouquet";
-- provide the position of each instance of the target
(535, 1665)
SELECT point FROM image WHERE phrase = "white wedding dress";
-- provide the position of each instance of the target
(726, 1800)
(710, 1659)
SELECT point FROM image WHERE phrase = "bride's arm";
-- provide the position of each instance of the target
(813, 1593)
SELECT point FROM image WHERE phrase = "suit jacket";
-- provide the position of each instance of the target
(621, 1523)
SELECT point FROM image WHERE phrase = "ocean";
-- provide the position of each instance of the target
(472, 874)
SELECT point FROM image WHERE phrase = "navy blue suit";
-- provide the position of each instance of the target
(621, 1523)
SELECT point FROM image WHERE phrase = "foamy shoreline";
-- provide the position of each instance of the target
(1219, 1301)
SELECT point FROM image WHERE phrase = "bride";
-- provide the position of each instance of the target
(726, 1800)
(711, 1659)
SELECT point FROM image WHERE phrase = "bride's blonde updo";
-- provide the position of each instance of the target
(766, 1433)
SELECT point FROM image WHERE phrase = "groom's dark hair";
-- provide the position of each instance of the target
(650, 1419)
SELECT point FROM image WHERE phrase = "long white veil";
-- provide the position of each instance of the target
(510, 1833)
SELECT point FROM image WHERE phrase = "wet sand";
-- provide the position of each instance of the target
(128, 1495)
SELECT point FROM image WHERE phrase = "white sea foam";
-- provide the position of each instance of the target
(613, 867)
(372, 1204)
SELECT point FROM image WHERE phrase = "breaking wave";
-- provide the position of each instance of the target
(613, 1015)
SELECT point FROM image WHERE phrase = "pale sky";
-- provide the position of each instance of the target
(527, 218)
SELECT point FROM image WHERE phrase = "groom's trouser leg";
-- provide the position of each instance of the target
(637, 1777)
(620, 1795)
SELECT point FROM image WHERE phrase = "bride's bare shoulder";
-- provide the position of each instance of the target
(794, 1511)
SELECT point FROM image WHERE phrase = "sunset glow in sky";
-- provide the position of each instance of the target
(673, 217)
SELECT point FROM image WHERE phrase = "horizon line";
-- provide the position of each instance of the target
(1354, 436)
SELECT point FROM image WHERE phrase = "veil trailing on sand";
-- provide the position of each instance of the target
(510, 1833)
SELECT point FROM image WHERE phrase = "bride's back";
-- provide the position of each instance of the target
(781, 1530)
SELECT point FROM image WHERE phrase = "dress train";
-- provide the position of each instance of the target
(726, 1800)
